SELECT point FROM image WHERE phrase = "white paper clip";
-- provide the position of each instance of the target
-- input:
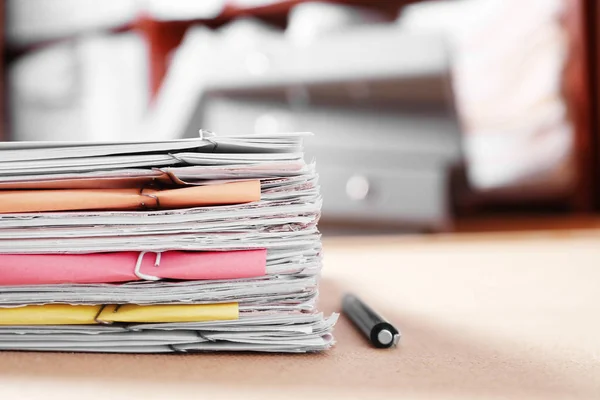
(138, 266)
(152, 196)
(208, 136)
(205, 135)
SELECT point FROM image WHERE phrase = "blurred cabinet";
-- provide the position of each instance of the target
(380, 104)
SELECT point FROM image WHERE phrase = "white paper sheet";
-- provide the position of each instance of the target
(277, 312)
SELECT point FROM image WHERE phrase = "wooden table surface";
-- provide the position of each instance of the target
(513, 315)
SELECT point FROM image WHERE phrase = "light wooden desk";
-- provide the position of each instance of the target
(501, 316)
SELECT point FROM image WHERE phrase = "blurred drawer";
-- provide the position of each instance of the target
(416, 197)
(367, 53)
(415, 133)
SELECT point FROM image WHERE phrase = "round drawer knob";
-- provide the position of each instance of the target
(357, 187)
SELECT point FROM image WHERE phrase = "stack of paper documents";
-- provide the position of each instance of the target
(187, 245)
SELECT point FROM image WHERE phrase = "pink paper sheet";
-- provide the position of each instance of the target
(42, 269)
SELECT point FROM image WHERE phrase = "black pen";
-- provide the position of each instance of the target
(380, 332)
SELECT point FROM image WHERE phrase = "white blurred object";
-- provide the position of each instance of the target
(247, 55)
(195, 64)
(508, 59)
(30, 21)
(115, 85)
(253, 3)
(375, 52)
(308, 21)
(178, 96)
(169, 10)
(43, 94)
(92, 88)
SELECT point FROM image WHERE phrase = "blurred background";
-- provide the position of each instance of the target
(430, 116)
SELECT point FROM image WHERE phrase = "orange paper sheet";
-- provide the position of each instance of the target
(17, 201)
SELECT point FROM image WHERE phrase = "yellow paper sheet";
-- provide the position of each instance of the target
(169, 313)
(64, 314)
(49, 314)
